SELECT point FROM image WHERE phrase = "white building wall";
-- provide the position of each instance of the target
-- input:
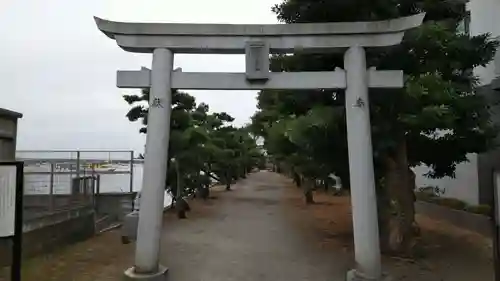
(484, 19)
(464, 186)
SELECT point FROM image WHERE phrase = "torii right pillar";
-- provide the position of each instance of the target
(363, 196)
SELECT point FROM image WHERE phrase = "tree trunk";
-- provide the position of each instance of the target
(244, 172)
(400, 184)
(384, 210)
(210, 174)
(203, 192)
(297, 179)
(308, 193)
(181, 207)
(228, 181)
(206, 193)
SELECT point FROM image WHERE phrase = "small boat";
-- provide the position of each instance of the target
(99, 167)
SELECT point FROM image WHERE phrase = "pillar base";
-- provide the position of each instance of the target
(354, 275)
(161, 275)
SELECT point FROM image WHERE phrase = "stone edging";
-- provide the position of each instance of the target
(478, 223)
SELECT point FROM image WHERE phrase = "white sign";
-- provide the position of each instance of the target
(7, 200)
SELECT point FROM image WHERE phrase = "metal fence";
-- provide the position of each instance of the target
(55, 180)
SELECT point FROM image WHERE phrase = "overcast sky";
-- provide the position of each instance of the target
(58, 70)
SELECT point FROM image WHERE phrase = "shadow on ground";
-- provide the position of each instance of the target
(450, 253)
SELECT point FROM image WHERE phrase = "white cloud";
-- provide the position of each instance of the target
(59, 70)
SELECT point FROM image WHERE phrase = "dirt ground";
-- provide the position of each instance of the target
(450, 253)
(262, 230)
(102, 258)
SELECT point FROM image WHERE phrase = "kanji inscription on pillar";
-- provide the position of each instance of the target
(359, 103)
(157, 103)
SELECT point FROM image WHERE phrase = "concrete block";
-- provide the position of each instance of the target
(129, 228)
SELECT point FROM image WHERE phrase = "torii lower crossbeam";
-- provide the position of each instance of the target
(277, 80)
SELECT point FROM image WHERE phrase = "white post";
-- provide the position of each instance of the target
(147, 250)
(363, 196)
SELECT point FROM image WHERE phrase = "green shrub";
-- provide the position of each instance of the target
(479, 209)
(450, 203)
(428, 189)
(424, 196)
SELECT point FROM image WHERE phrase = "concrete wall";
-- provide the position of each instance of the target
(45, 219)
(32, 202)
(115, 205)
(53, 233)
(465, 186)
(46, 231)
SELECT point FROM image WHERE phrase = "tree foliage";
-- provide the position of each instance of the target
(436, 119)
(204, 147)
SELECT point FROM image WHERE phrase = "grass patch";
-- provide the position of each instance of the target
(452, 203)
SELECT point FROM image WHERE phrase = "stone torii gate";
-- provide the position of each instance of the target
(257, 42)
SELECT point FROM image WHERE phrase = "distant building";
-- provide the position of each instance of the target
(474, 180)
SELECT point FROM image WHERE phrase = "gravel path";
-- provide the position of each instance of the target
(248, 237)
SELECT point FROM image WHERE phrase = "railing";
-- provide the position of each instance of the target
(57, 180)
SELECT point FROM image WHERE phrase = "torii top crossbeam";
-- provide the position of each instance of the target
(231, 39)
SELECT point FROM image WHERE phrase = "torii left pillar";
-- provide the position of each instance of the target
(147, 251)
